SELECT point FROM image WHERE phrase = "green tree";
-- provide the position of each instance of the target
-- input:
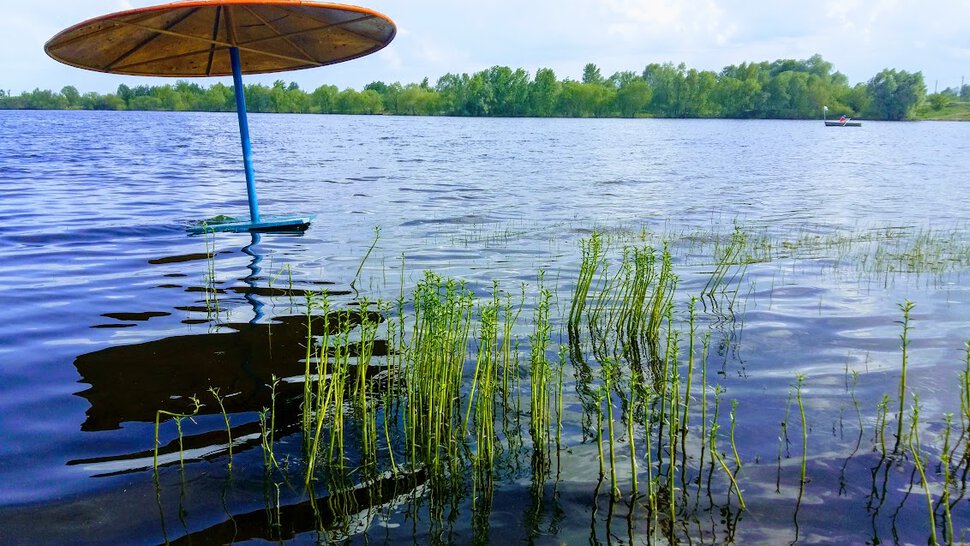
(633, 97)
(323, 100)
(895, 95)
(857, 99)
(258, 98)
(218, 98)
(591, 74)
(71, 95)
(583, 100)
(938, 101)
(666, 81)
(544, 93)
(145, 103)
(43, 99)
(124, 93)
(350, 101)
(417, 100)
(465, 95)
(695, 93)
(94, 101)
(509, 90)
(737, 98)
(188, 95)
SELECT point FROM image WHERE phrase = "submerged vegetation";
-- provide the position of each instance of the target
(782, 89)
(440, 398)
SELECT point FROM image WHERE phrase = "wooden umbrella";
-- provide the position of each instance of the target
(223, 37)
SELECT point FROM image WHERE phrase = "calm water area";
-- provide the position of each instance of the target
(106, 316)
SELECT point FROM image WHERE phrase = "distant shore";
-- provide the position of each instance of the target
(782, 89)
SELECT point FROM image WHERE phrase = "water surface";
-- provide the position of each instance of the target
(103, 292)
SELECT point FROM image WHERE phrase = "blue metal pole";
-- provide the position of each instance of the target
(244, 134)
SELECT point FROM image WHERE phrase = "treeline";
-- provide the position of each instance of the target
(783, 89)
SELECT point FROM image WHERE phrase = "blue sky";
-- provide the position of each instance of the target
(436, 37)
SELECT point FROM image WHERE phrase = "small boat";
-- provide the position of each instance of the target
(843, 121)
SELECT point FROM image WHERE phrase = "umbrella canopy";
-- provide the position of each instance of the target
(192, 38)
(223, 37)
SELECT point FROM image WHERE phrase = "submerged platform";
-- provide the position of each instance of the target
(266, 224)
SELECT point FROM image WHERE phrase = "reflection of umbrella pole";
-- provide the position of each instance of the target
(254, 270)
(247, 149)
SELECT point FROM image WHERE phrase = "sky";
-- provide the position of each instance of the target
(436, 37)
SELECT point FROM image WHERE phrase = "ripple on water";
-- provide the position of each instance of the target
(105, 296)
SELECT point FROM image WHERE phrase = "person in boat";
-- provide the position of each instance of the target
(843, 119)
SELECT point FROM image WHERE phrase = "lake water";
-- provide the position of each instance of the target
(105, 317)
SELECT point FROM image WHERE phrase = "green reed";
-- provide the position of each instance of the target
(308, 394)
(705, 345)
(945, 460)
(363, 399)
(631, 410)
(225, 416)
(177, 417)
(267, 427)
(540, 371)
(906, 307)
(601, 395)
(434, 362)
(591, 250)
(377, 237)
(622, 316)
(799, 382)
(485, 382)
(692, 334)
(623, 311)
(882, 414)
(734, 447)
(965, 390)
(209, 289)
(724, 259)
(716, 455)
(560, 372)
(336, 358)
(509, 366)
(320, 388)
(662, 300)
(609, 370)
(918, 461)
(651, 484)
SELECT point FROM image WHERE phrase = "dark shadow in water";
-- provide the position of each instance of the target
(130, 383)
(335, 512)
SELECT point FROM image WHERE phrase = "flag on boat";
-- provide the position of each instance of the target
(826, 108)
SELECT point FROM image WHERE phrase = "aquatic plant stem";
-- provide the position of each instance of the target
(945, 460)
(225, 417)
(377, 237)
(800, 379)
(915, 450)
(906, 307)
(178, 425)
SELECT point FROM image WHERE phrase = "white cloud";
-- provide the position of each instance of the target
(859, 37)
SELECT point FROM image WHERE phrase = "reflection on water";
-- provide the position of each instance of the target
(132, 382)
(334, 517)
